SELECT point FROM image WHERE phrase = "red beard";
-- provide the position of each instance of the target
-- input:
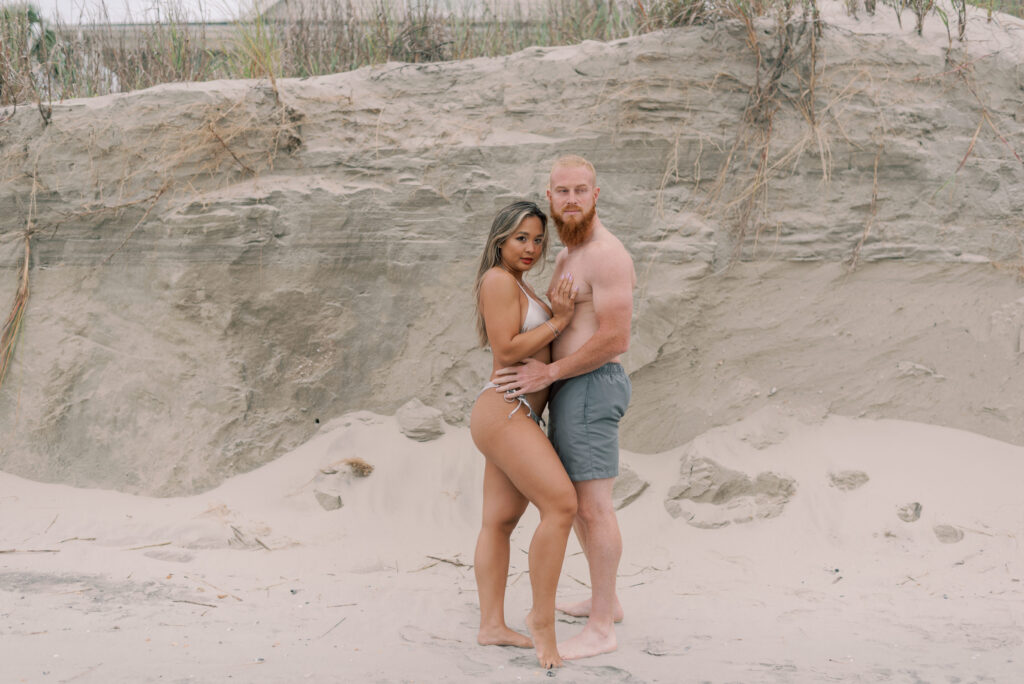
(574, 231)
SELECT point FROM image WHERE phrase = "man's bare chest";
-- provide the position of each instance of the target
(578, 269)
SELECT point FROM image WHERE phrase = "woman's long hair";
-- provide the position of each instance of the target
(505, 223)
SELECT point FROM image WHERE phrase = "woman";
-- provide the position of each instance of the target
(522, 467)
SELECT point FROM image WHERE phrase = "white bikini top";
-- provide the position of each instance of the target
(536, 314)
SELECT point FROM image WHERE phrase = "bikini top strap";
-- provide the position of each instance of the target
(529, 297)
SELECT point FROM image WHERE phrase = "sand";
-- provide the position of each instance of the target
(255, 581)
(821, 460)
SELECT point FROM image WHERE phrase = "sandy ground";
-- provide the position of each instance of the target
(773, 543)
(255, 581)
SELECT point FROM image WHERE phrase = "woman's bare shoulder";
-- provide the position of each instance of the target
(497, 280)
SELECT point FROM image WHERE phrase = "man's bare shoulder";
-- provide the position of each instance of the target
(609, 262)
(609, 249)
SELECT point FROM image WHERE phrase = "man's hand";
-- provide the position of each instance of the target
(530, 376)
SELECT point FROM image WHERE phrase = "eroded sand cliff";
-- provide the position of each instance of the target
(218, 268)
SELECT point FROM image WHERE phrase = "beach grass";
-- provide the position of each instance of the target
(46, 61)
(43, 60)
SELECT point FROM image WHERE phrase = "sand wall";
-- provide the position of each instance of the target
(217, 269)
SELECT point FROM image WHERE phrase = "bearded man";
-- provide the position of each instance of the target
(589, 388)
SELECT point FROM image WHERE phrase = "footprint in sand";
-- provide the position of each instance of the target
(848, 480)
(719, 496)
(909, 512)
(947, 534)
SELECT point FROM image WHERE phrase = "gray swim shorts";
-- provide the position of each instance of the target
(583, 421)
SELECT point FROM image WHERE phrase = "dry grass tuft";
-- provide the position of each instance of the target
(360, 468)
(12, 326)
(789, 49)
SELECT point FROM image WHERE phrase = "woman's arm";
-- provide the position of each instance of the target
(499, 303)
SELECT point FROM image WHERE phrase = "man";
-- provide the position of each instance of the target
(589, 388)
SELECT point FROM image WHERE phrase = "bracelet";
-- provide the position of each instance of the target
(553, 328)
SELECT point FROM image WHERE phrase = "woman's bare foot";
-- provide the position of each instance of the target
(590, 642)
(502, 636)
(544, 641)
(582, 609)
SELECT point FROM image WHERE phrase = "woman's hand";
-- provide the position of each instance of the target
(563, 300)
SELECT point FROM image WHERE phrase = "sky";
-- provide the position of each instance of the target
(120, 11)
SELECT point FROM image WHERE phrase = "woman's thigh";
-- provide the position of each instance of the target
(503, 503)
(519, 448)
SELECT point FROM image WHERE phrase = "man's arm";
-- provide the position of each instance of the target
(612, 287)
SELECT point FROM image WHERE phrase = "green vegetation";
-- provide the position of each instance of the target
(1014, 7)
(43, 62)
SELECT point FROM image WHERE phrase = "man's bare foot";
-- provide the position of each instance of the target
(502, 636)
(544, 641)
(590, 642)
(582, 609)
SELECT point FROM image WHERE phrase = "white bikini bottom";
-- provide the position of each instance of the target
(519, 401)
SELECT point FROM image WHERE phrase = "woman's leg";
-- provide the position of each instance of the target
(503, 506)
(519, 448)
